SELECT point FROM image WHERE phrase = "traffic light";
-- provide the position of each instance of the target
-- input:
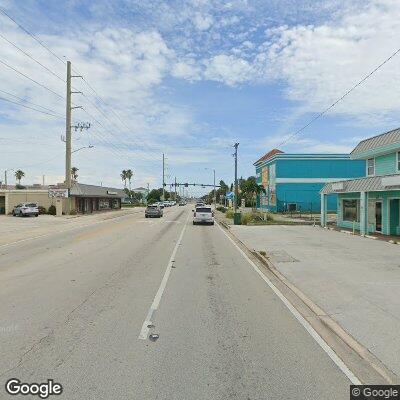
(186, 184)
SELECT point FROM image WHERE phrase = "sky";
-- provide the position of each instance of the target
(189, 78)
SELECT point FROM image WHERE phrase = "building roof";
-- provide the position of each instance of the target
(268, 155)
(369, 184)
(80, 189)
(139, 189)
(377, 142)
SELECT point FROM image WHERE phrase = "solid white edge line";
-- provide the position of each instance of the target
(144, 332)
(313, 333)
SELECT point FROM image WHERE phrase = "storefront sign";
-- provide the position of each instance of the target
(111, 192)
(58, 193)
(391, 181)
(337, 186)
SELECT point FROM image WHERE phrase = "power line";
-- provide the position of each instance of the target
(31, 79)
(29, 102)
(31, 108)
(32, 58)
(31, 34)
(63, 61)
(340, 98)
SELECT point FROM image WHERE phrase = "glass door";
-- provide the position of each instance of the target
(378, 216)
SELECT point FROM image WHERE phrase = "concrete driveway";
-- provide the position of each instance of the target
(14, 229)
(355, 280)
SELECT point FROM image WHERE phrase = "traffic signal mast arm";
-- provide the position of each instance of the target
(190, 184)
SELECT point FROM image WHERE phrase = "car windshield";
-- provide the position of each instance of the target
(203, 209)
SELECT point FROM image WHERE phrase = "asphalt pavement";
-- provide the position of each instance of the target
(135, 308)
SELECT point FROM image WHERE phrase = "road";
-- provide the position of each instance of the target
(75, 307)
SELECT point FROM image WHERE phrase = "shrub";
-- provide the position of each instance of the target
(246, 218)
(42, 210)
(52, 210)
(269, 217)
(229, 214)
(221, 208)
(72, 212)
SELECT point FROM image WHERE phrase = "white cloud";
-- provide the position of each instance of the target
(305, 145)
(320, 62)
(228, 69)
(186, 70)
(203, 21)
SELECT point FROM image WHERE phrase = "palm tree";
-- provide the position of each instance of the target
(123, 176)
(74, 173)
(19, 175)
(129, 175)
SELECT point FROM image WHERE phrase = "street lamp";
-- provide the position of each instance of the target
(215, 194)
(81, 148)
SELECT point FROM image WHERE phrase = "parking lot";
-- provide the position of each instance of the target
(13, 229)
(355, 280)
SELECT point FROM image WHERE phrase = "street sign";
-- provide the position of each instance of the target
(58, 193)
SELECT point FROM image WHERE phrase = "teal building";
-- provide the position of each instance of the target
(370, 204)
(293, 181)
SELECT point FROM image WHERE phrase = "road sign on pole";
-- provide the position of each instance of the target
(58, 193)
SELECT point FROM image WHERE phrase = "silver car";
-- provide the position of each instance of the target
(203, 215)
(26, 209)
(153, 211)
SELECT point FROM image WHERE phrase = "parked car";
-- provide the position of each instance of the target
(182, 203)
(153, 211)
(203, 215)
(26, 209)
(159, 204)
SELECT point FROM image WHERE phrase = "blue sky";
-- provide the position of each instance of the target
(190, 78)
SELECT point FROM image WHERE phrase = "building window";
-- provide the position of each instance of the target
(398, 161)
(371, 166)
(351, 210)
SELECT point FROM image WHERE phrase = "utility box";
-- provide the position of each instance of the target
(59, 207)
(237, 218)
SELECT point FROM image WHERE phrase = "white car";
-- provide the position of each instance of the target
(203, 215)
(26, 209)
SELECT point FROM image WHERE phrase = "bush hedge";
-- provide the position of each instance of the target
(52, 210)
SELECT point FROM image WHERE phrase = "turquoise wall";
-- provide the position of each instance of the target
(387, 214)
(387, 164)
(314, 168)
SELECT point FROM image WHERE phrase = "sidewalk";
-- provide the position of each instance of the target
(353, 279)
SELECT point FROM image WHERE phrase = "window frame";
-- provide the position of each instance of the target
(398, 161)
(373, 173)
(357, 219)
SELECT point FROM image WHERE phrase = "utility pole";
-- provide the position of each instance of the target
(175, 188)
(236, 145)
(68, 133)
(215, 193)
(68, 138)
(163, 176)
